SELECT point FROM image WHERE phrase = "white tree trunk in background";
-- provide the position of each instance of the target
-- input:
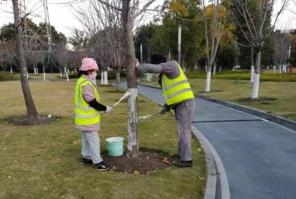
(280, 69)
(214, 69)
(106, 78)
(256, 83)
(274, 69)
(27, 74)
(11, 70)
(208, 82)
(61, 73)
(117, 79)
(44, 74)
(252, 73)
(102, 78)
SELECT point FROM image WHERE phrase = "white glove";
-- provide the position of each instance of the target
(109, 109)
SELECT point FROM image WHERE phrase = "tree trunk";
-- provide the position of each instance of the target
(252, 65)
(214, 69)
(117, 79)
(102, 78)
(208, 81)
(106, 78)
(31, 109)
(11, 69)
(44, 74)
(256, 83)
(130, 62)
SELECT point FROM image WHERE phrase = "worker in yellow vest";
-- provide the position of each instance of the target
(87, 113)
(178, 96)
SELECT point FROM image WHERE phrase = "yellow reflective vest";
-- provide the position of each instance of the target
(84, 113)
(176, 90)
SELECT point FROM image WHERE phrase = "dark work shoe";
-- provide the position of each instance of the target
(102, 166)
(184, 163)
(86, 161)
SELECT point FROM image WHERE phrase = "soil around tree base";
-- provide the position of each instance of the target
(146, 162)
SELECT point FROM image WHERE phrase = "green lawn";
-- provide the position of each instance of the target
(43, 161)
(266, 75)
(282, 94)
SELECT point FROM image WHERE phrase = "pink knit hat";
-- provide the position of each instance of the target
(88, 64)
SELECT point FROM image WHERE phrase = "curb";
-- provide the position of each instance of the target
(217, 183)
(273, 118)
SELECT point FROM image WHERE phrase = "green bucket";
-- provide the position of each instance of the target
(115, 146)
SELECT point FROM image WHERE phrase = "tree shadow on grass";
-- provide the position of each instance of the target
(23, 120)
(260, 100)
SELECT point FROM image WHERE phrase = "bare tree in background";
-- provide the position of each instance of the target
(281, 43)
(252, 18)
(31, 109)
(215, 16)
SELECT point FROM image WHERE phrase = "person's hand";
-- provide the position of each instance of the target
(137, 63)
(109, 109)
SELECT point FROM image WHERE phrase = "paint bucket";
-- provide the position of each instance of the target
(115, 146)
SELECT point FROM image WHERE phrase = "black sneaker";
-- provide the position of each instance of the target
(184, 163)
(86, 161)
(102, 166)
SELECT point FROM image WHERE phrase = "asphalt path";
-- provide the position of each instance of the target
(259, 156)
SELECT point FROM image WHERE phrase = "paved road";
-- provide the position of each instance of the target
(259, 157)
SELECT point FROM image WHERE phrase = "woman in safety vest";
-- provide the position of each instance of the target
(87, 113)
(178, 96)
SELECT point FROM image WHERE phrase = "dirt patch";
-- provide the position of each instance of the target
(25, 121)
(145, 163)
(261, 100)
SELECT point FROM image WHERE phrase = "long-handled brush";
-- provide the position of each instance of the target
(125, 95)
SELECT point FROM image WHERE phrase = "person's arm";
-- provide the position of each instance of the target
(150, 68)
(89, 97)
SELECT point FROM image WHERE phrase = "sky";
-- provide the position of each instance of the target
(62, 17)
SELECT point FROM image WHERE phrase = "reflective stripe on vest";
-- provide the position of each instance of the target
(176, 90)
(85, 114)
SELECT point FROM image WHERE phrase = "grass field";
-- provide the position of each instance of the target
(280, 96)
(245, 75)
(44, 161)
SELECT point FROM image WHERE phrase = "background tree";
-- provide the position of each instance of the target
(31, 109)
(253, 20)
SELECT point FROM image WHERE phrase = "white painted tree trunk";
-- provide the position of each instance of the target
(252, 73)
(37, 70)
(11, 70)
(274, 69)
(106, 82)
(208, 82)
(61, 73)
(27, 74)
(256, 83)
(133, 139)
(44, 74)
(280, 69)
(117, 79)
(102, 78)
(148, 77)
(214, 69)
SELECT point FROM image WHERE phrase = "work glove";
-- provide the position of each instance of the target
(109, 109)
(164, 109)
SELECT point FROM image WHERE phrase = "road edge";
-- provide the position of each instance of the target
(270, 117)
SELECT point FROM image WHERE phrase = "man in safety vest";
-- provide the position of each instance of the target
(87, 113)
(178, 96)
